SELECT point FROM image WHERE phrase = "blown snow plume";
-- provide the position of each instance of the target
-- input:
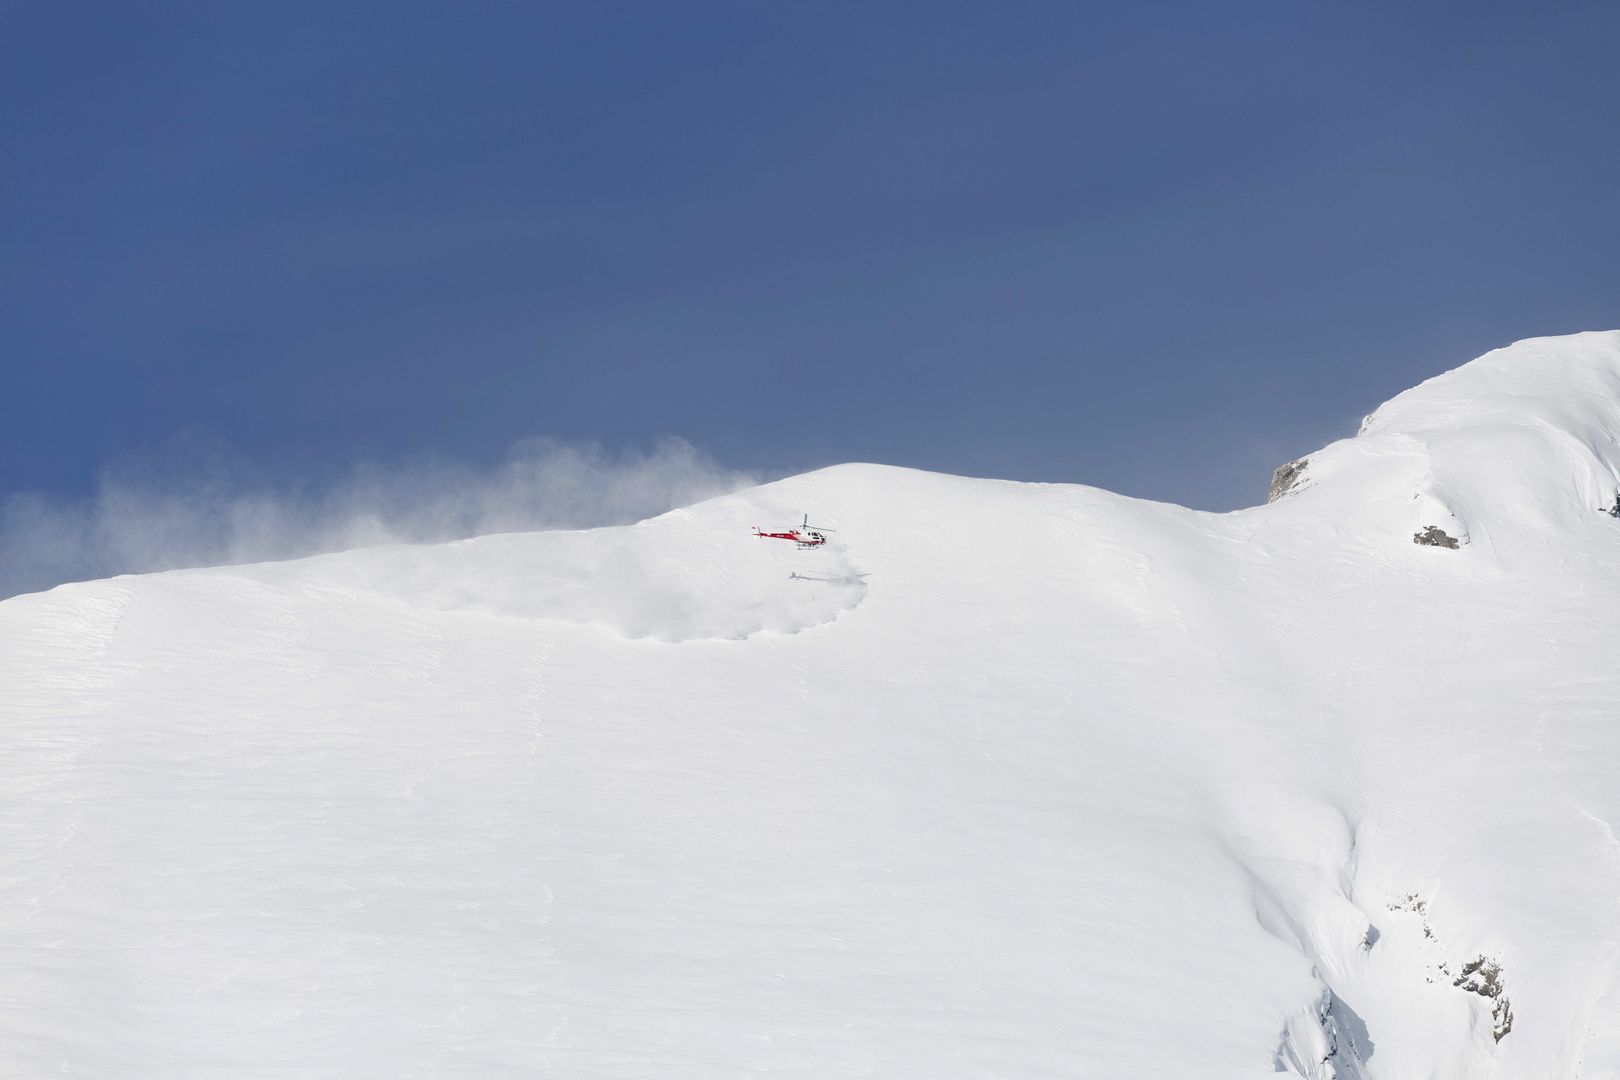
(212, 510)
(1007, 779)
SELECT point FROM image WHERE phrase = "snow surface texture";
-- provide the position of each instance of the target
(1013, 780)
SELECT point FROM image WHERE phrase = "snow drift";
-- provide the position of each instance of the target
(1015, 780)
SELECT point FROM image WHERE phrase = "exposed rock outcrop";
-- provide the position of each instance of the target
(1483, 976)
(1435, 536)
(1287, 479)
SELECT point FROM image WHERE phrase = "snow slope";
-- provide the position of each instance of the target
(1015, 780)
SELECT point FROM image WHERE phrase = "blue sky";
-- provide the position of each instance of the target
(1155, 247)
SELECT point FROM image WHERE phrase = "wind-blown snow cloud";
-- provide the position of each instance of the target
(218, 513)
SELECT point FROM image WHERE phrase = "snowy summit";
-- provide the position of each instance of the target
(1005, 780)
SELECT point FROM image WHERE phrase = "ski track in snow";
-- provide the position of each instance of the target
(1013, 780)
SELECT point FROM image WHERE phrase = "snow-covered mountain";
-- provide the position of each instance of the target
(1012, 780)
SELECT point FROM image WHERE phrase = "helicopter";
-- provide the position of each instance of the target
(804, 537)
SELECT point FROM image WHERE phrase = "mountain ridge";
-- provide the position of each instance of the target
(1011, 780)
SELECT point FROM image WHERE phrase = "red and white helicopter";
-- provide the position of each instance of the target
(804, 537)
